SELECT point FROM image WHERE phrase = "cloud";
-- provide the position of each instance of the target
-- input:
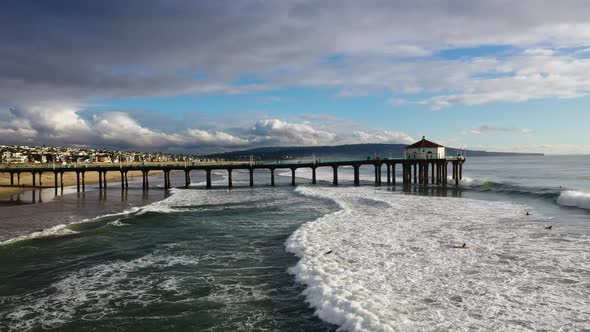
(80, 51)
(398, 101)
(483, 129)
(517, 79)
(393, 137)
(116, 129)
(551, 149)
(215, 139)
(57, 58)
(275, 131)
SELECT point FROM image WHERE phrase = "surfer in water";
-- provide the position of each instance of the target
(527, 213)
(464, 246)
(549, 227)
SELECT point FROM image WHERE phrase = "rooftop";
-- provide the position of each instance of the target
(424, 143)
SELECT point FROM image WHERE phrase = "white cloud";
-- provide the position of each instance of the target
(275, 131)
(119, 129)
(550, 149)
(392, 137)
(539, 51)
(525, 77)
(487, 129)
(217, 138)
(285, 44)
(65, 126)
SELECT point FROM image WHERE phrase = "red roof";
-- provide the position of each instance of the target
(424, 143)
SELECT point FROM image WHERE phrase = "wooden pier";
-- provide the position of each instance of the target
(414, 171)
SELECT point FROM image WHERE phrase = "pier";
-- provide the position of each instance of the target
(420, 172)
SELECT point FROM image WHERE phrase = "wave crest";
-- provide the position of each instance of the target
(574, 198)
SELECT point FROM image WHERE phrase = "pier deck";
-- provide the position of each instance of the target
(414, 171)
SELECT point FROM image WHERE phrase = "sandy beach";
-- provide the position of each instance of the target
(69, 179)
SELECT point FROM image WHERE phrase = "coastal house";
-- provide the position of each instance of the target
(425, 149)
(17, 158)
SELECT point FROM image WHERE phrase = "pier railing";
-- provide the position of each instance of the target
(285, 163)
(417, 171)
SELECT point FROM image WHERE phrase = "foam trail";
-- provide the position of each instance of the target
(93, 291)
(56, 231)
(386, 262)
(168, 205)
(574, 198)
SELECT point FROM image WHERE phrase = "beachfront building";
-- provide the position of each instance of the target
(425, 149)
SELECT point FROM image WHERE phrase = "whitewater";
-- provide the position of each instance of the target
(390, 262)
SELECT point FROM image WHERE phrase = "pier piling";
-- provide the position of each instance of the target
(208, 178)
(272, 177)
(420, 172)
(293, 176)
(335, 176)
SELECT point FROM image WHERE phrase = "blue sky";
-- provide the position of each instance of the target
(190, 76)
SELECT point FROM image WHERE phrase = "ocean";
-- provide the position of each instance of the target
(308, 258)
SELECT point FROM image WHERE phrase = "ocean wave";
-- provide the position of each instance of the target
(395, 266)
(180, 201)
(100, 290)
(56, 231)
(514, 189)
(169, 205)
(574, 198)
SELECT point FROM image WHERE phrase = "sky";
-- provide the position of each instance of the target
(207, 76)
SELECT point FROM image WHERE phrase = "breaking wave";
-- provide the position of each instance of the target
(390, 262)
(574, 198)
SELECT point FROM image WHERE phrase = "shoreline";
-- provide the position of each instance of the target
(69, 179)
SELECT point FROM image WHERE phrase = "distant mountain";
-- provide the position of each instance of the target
(344, 151)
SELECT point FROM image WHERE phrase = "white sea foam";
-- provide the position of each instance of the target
(387, 262)
(59, 230)
(574, 198)
(99, 290)
(172, 204)
(118, 223)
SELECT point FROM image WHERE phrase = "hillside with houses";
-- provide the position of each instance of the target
(22, 154)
